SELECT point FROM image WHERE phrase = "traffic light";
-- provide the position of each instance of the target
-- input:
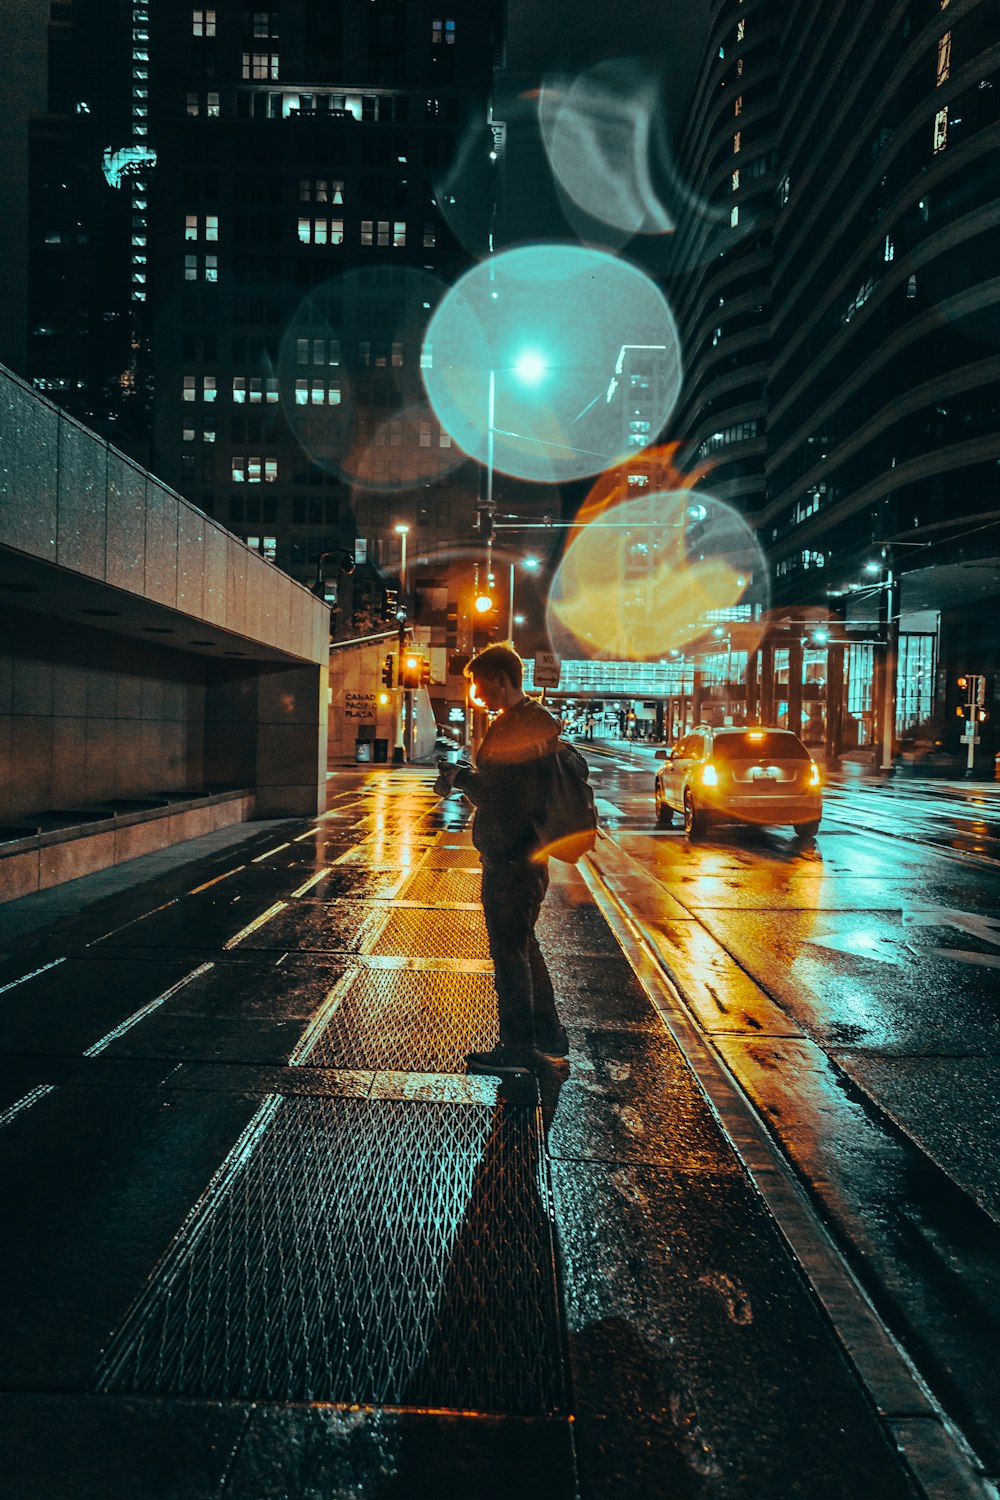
(387, 670)
(390, 604)
(981, 693)
(425, 671)
(410, 670)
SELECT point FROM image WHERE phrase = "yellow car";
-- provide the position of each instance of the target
(751, 775)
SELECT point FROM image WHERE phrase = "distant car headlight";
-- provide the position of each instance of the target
(709, 775)
(814, 774)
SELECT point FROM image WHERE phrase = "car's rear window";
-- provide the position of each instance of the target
(759, 743)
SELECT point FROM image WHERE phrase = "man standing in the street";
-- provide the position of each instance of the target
(507, 788)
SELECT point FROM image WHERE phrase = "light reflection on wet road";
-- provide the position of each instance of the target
(853, 988)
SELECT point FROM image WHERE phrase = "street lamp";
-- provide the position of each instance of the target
(530, 563)
(403, 530)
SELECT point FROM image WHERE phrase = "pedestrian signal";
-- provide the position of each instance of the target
(387, 670)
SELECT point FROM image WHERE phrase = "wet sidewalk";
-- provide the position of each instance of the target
(266, 1239)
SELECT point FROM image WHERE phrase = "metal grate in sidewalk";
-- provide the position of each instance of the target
(442, 885)
(430, 932)
(407, 1021)
(446, 856)
(356, 1252)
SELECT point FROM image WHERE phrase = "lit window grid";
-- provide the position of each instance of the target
(940, 130)
(944, 59)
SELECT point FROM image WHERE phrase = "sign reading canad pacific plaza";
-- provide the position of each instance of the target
(547, 668)
(359, 706)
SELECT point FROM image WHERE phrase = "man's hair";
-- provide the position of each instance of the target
(495, 660)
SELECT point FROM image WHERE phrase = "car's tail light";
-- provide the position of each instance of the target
(709, 775)
(813, 774)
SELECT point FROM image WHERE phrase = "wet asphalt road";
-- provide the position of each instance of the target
(852, 986)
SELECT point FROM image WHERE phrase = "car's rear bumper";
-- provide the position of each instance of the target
(767, 809)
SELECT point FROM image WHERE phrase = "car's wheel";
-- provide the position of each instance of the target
(806, 830)
(664, 814)
(696, 819)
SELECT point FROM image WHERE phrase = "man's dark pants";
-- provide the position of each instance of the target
(513, 891)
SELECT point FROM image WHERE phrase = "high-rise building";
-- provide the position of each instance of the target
(251, 214)
(841, 350)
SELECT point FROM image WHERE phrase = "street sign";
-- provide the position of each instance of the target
(547, 668)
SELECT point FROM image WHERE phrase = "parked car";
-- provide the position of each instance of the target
(752, 775)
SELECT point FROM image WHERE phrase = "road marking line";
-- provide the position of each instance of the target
(145, 1010)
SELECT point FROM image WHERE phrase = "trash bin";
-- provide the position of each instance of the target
(381, 750)
(362, 749)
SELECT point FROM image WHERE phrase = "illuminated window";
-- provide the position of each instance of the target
(187, 434)
(424, 438)
(208, 388)
(192, 104)
(212, 105)
(941, 130)
(264, 24)
(321, 231)
(383, 231)
(189, 387)
(366, 231)
(208, 435)
(437, 33)
(256, 391)
(260, 66)
(190, 268)
(737, 142)
(736, 180)
(239, 389)
(738, 105)
(734, 217)
(430, 238)
(741, 30)
(739, 67)
(944, 59)
(398, 232)
(269, 547)
(211, 268)
(444, 441)
(190, 226)
(203, 22)
(211, 226)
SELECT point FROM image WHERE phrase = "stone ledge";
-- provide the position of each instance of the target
(109, 834)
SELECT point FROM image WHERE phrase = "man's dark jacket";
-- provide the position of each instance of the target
(510, 780)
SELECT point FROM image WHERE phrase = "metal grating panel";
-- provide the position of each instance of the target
(443, 857)
(384, 1253)
(429, 933)
(442, 885)
(406, 1021)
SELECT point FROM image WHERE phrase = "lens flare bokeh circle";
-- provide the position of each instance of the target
(568, 357)
(660, 574)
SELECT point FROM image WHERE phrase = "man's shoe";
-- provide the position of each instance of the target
(502, 1060)
(554, 1043)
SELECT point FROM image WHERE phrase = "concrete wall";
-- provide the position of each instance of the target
(355, 712)
(143, 648)
(86, 716)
